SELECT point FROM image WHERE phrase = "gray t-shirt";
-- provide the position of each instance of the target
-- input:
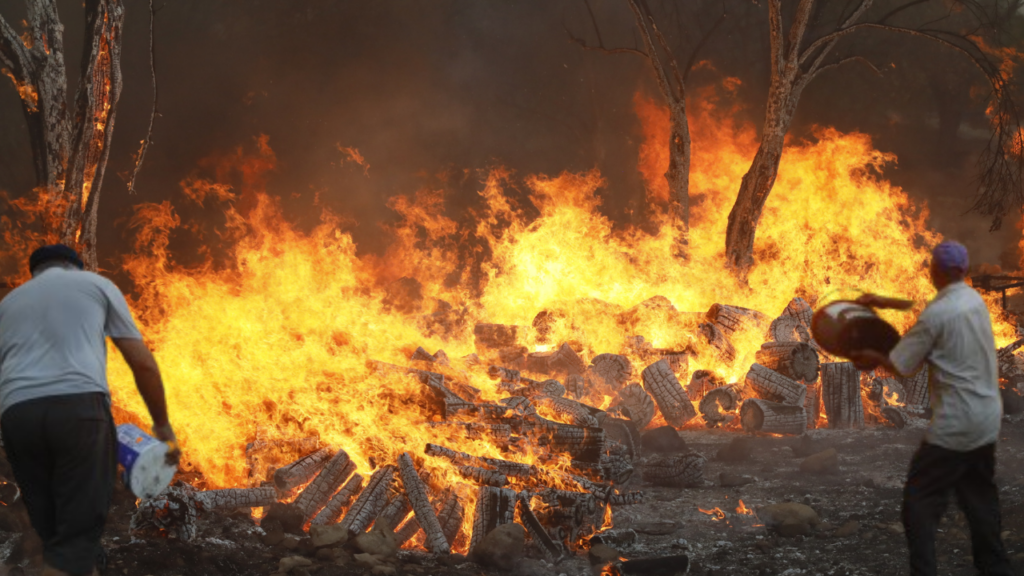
(954, 336)
(53, 332)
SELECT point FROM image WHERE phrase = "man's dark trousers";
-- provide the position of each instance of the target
(934, 473)
(63, 452)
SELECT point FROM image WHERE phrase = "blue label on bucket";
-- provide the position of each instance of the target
(131, 441)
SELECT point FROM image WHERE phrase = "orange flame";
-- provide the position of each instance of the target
(716, 513)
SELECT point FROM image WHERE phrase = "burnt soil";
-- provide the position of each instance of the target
(866, 489)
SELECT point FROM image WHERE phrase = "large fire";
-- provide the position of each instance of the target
(274, 345)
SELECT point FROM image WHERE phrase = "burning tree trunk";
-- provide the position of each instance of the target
(795, 62)
(70, 153)
(758, 415)
(840, 395)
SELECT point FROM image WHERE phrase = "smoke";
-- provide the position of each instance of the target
(432, 94)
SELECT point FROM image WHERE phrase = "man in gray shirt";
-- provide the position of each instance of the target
(953, 340)
(55, 405)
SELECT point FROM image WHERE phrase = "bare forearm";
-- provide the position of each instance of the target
(151, 388)
(876, 301)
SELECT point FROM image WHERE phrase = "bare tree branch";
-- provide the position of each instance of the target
(700, 46)
(840, 62)
(778, 48)
(652, 53)
(796, 32)
(13, 54)
(895, 11)
(153, 113)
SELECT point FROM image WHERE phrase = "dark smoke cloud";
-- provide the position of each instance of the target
(455, 86)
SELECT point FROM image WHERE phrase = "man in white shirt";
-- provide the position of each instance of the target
(953, 340)
(55, 405)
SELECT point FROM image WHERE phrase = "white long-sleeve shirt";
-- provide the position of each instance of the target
(953, 338)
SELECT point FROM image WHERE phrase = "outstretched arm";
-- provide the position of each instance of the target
(151, 388)
(876, 301)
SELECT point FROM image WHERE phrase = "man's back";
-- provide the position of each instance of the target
(52, 335)
(963, 370)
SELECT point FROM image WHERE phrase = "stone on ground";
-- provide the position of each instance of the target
(501, 548)
(824, 462)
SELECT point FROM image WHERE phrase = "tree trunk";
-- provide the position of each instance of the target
(678, 174)
(70, 156)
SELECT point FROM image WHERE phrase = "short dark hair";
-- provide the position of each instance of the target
(60, 252)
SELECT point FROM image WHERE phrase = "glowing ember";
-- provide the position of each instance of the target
(716, 513)
(742, 509)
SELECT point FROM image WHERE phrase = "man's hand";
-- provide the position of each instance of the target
(876, 301)
(165, 434)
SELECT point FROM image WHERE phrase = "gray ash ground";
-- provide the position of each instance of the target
(866, 489)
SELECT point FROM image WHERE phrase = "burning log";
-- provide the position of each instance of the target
(894, 416)
(661, 383)
(495, 336)
(332, 511)
(636, 404)
(702, 382)
(475, 430)
(717, 339)
(326, 483)
(795, 360)
(421, 355)
(237, 498)
(1005, 358)
(449, 402)
(732, 319)
(506, 467)
(717, 402)
(799, 308)
(301, 471)
(397, 508)
(483, 476)
(261, 454)
(677, 361)
(575, 386)
(759, 415)
(549, 547)
(173, 512)
(504, 374)
(840, 395)
(583, 443)
(565, 360)
(533, 388)
(812, 405)
(371, 501)
(494, 507)
(416, 492)
(770, 385)
(611, 370)
(916, 388)
(616, 469)
(624, 432)
(626, 499)
(570, 409)
(676, 471)
(788, 329)
(450, 516)
(519, 405)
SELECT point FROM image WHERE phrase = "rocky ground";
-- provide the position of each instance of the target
(856, 499)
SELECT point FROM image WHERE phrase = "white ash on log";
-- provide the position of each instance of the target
(236, 498)
(612, 371)
(788, 329)
(732, 319)
(331, 477)
(371, 501)
(661, 383)
(759, 415)
(702, 382)
(494, 507)
(799, 308)
(916, 387)
(506, 467)
(840, 395)
(416, 492)
(575, 386)
(636, 404)
(495, 336)
(716, 404)
(172, 513)
(812, 405)
(483, 476)
(551, 549)
(717, 339)
(771, 385)
(332, 511)
(795, 360)
(287, 478)
(571, 410)
(675, 471)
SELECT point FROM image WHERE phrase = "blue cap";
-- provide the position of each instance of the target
(54, 252)
(949, 256)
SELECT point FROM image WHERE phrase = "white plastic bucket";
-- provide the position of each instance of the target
(146, 472)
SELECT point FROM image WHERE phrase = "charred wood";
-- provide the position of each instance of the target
(371, 501)
(416, 492)
(301, 471)
(732, 319)
(571, 410)
(583, 443)
(840, 395)
(495, 336)
(506, 467)
(551, 549)
(237, 498)
(795, 360)
(319, 492)
(715, 405)
(494, 507)
(661, 383)
(716, 338)
(475, 430)
(799, 308)
(812, 405)
(611, 370)
(702, 382)
(626, 499)
(759, 415)
(788, 329)
(483, 476)
(676, 471)
(575, 386)
(332, 511)
(771, 385)
(916, 387)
